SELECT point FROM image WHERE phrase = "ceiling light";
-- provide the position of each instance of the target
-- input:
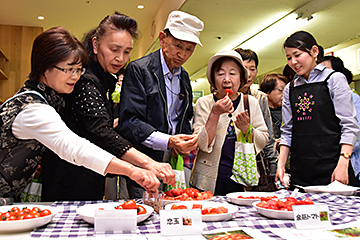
(140, 6)
(280, 29)
(41, 17)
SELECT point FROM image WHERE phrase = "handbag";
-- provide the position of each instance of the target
(244, 168)
(177, 164)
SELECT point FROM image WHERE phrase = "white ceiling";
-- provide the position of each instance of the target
(227, 22)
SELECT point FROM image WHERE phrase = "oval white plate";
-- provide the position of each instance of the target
(26, 224)
(87, 211)
(233, 197)
(347, 190)
(213, 217)
(277, 214)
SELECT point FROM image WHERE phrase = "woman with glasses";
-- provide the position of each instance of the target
(218, 130)
(89, 113)
(31, 125)
(273, 85)
(319, 125)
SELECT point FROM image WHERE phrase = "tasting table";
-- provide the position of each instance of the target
(343, 209)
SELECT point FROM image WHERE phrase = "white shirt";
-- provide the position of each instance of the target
(41, 122)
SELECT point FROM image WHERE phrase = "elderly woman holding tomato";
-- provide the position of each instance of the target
(218, 129)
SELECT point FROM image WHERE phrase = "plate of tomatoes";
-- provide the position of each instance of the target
(188, 194)
(247, 198)
(87, 212)
(16, 218)
(210, 211)
(280, 209)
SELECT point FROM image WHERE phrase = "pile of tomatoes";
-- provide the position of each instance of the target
(204, 211)
(284, 205)
(131, 204)
(188, 194)
(16, 213)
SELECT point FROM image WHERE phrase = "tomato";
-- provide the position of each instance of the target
(140, 210)
(205, 211)
(308, 201)
(119, 207)
(25, 211)
(181, 207)
(197, 206)
(28, 216)
(223, 209)
(174, 206)
(45, 212)
(131, 204)
(36, 209)
(169, 194)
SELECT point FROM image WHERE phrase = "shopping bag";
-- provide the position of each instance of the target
(177, 164)
(244, 168)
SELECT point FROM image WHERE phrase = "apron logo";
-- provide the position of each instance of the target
(304, 106)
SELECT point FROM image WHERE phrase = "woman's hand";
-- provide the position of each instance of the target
(163, 171)
(243, 121)
(341, 172)
(223, 105)
(145, 178)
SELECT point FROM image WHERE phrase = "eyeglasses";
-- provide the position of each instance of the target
(71, 71)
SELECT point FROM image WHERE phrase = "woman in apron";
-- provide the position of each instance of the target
(319, 125)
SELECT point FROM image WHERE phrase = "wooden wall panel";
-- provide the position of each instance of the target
(16, 42)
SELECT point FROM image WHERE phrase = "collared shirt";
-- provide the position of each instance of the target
(158, 140)
(341, 96)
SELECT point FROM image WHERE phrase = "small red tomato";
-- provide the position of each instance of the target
(140, 210)
(131, 204)
(45, 212)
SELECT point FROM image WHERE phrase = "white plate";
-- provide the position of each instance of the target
(233, 197)
(213, 217)
(277, 214)
(87, 211)
(346, 190)
(26, 224)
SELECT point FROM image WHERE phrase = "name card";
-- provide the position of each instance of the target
(180, 222)
(311, 216)
(115, 220)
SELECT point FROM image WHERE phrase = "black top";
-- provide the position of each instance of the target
(88, 112)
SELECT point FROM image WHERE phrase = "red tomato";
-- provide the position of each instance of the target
(181, 207)
(36, 209)
(119, 207)
(45, 212)
(197, 206)
(140, 210)
(174, 206)
(223, 209)
(131, 204)
(28, 216)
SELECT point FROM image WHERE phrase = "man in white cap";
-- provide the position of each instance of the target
(156, 97)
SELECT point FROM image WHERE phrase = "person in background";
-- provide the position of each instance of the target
(156, 99)
(89, 113)
(30, 122)
(319, 125)
(266, 159)
(337, 64)
(289, 73)
(273, 85)
(217, 131)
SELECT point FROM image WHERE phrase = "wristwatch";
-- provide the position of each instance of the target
(346, 155)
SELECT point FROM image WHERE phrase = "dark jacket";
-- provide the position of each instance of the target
(88, 113)
(143, 106)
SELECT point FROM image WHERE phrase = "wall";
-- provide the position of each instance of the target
(16, 42)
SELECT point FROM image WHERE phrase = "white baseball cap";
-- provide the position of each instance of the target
(227, 53)
(184, 26)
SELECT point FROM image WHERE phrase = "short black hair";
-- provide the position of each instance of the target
(268, 82)
(248, 54)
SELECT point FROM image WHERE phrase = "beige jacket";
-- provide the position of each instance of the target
(205, 170)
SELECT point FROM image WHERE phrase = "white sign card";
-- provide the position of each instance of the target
(115, 220)
(180, 222)
(311, 216)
